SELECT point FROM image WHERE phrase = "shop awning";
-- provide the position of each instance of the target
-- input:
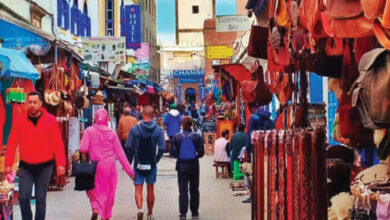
(237, 71)
(15, 64)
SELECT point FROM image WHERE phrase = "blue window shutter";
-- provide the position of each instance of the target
(66, 14)
(88, 26)
(59, 13)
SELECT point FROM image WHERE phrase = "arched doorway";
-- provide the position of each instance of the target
(190, 95)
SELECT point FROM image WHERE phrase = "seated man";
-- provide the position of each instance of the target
(221, 148)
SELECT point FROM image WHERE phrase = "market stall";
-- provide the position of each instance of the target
(341, 40)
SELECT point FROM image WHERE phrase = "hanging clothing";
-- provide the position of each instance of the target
(103, 145)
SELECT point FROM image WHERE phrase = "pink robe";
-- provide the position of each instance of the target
(103, 145)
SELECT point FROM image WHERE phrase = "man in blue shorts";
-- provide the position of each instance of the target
(142, 143)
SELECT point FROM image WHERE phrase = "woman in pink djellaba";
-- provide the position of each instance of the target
(103, 145)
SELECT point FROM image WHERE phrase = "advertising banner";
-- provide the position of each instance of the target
(104, 49)
(219, 52)
(133, 30)
(233, 23)
(143, 53)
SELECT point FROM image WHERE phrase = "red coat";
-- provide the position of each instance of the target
(37, 144)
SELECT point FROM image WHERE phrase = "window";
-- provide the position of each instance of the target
(36, 15)
(122, 15)
(195, 9)
(110, 17)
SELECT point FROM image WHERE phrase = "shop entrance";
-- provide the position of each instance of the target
(190, 95)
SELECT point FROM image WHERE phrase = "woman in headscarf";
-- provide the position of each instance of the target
(103, 145)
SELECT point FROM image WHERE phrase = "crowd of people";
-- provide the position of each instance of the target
(138, 144)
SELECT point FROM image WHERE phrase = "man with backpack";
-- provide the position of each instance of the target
(188, 147)
(142, 144)
(172, 124)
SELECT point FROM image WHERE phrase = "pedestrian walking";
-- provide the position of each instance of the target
(237, 143)
(126, 122)
(172, 124)
(40, 146)
(142, 143)
(188, 148)
(102, 145)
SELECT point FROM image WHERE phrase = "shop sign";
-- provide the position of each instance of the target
(133, 26)
(219, 52)
(209, 126)
(143, 53)
(104, 49)
(190, 80)
(233, 23)
(188, 73)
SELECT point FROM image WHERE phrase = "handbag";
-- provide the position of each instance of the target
(256, 90)
(84, 171)
(258, 42)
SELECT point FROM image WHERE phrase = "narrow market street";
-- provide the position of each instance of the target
(217, 200)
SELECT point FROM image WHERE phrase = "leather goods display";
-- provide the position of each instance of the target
(52, 94)
(256, 90)
(292, 174)
(343, 8)
(370, 92)
(382, 26)
(328, 58)
(257, 43)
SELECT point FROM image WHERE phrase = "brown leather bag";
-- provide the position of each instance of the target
(283, 87)
(258, 42)
(347, 19)
(256, 91)
(371, 90)
(373, 8)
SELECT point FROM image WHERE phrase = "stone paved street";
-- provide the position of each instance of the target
(217, 200)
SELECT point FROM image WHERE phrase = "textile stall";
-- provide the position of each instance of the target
(347, 42)
(232, 110)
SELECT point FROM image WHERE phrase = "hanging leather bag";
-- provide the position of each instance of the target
(256, 90)
(258, 42)
(351, 126)
(370, 92)
(347, 19)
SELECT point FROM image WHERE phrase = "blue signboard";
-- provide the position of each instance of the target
(190, 80)
(133, 26)
(188, 73)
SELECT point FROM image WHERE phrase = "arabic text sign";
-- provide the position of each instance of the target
(133, 26)
(219, 52)
(104, 49)
(233, 23)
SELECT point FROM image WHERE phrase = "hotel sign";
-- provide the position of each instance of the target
(133, 26)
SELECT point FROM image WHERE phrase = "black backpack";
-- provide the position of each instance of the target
(145, 158)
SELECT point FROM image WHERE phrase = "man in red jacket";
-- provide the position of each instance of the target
(40, 144)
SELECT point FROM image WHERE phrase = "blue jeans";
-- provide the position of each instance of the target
(41, 180)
